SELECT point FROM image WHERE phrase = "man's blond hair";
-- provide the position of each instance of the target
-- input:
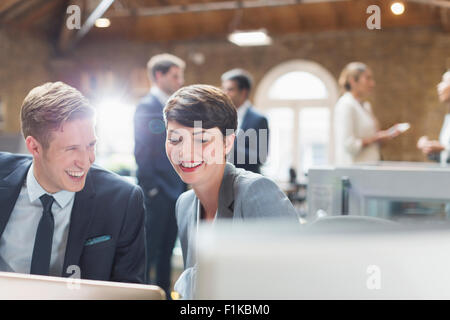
(162, 63)
(47, 107)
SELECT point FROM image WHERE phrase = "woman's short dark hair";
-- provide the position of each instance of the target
(204, 103)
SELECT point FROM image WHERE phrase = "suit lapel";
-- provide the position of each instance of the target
(156, 101)
(242, 129)
(9, 192)
(245, 119)
(80, 219)
(226, 193)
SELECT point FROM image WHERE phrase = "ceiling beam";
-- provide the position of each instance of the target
(6, 4)
(436, 3)
(444, 11)
(211, 6)
(16, 10)
(68, 39)
(34, 16)
(97, 13)
(445, 19)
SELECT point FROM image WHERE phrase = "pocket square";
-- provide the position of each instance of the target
(95, 240)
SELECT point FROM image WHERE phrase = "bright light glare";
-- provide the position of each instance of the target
(250, 38)
(397, 8)
(102, 23)
(115, 126)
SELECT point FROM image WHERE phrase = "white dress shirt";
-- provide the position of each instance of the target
(17, 241)
(241, 111)
(185, 285)
(160, 95)
(444, 139)
(353, 122)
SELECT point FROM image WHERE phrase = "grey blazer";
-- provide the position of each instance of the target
(242, 195)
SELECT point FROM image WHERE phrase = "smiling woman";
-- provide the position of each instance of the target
(200, 122)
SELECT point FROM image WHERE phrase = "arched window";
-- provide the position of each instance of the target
(298, 98)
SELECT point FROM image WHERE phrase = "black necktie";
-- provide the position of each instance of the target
(40, 261)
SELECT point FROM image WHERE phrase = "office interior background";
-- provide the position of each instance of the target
(295, 72)
(295, 76)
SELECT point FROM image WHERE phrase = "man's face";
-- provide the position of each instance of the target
(171, 81)
(66, 162)
(231, 88)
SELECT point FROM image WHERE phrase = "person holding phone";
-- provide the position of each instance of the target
(357, 132)
(438, 150)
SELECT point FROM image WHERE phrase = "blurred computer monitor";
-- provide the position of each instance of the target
(251, 261)
(32, 287)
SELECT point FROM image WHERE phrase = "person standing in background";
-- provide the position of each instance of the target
(438, 150)
(156, 176)
(251, 153)
(357, 133)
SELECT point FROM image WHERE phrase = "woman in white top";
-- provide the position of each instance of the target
(357, 133)
(438, 150)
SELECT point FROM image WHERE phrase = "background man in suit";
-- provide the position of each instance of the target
(59, 213)
(160, 183)
(252, 139)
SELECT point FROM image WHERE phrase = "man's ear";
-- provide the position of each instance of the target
(229, 142)
(33, 146)
(247, 93)
(158, 75)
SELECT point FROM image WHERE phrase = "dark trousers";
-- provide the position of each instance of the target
(161, 234)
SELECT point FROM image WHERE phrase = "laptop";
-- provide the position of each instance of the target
(15, 286)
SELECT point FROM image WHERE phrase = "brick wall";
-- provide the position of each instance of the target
(24, 64)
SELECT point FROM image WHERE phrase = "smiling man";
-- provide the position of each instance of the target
(58, 211)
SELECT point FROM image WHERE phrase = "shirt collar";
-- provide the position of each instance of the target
(159, 94)
(243, 109)
(352, 97)
(35, 191)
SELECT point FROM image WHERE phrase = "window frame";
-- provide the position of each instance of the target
(263, 102)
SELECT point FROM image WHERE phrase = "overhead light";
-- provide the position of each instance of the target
(250, 38)
(102, 23)
(398, 8)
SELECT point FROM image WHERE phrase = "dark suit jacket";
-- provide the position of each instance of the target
(252, 120)
(107, 206)
(154, 168)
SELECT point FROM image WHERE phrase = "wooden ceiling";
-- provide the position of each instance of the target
(169, 20)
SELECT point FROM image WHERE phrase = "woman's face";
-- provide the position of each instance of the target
(196, 154)
(364, 85)
(444, 88)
